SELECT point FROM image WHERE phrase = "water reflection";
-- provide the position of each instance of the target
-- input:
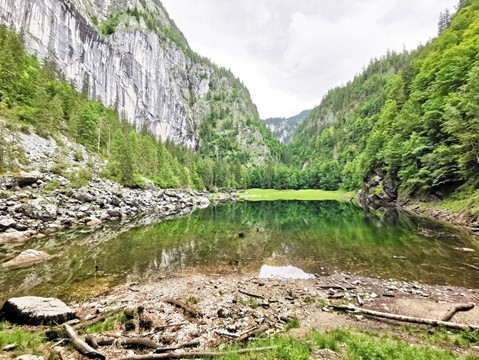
(318, 237)
(283, 272)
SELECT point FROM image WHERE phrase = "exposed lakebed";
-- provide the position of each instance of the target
(319, 237)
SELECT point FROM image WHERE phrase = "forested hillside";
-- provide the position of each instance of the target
(413, 116)
(34, 97)
(201, 128)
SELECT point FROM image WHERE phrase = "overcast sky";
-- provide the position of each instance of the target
(290, 52)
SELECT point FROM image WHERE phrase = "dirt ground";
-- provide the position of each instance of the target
(228, 306)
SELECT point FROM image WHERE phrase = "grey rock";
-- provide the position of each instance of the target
(114, 212)
(224, 313)
(84, 196)
(232, 328)
(201, 202)
(9, 347)
(6, 223)
(29, 357)
(25, 179)
(37, 311)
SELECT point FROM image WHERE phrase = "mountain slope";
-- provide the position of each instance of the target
(284, 128)
(130, 56)
(411, 118)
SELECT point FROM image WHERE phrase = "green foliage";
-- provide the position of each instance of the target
(51, 106)
(31, 342)
(51, 186)
(109, 26)
(413, 115)
(80, 178)
(350, 344)
(108, 324)
(292, 324)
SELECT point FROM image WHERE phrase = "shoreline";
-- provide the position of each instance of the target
(28, 210)
(233, 304)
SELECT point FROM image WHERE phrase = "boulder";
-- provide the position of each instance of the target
(35, 310)
(29, 178)
(26, 258)
(6, 222)
(84, 196)
(202, 202)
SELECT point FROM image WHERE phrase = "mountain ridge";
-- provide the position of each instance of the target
(284, 129)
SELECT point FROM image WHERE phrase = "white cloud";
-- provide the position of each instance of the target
(290, 52)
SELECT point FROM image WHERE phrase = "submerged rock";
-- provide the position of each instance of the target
(26, 258)
(35, 310)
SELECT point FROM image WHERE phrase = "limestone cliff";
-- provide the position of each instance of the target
(129, 55)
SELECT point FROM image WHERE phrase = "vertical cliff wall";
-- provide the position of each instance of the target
(152, 80)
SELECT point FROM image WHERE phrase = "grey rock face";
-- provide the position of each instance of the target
(37, 311)
(152, 84)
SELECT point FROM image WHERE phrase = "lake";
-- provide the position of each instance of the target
(319, 237)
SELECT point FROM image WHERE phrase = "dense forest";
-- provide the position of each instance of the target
(413, 115)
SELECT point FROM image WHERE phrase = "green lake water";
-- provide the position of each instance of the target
(319, 237)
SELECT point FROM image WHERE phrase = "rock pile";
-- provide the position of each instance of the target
(30, 210)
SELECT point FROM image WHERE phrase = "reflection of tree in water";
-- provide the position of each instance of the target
(309, 235)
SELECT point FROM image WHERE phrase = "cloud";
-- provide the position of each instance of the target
(290, 52)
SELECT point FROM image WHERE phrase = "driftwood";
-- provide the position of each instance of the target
(337, 287)
(91, 340)
(251, 294)
(187, 309)
(454, 309)
(96, 341)
(124, 342)
(252, 333)
(408, 319)
(196, 355)
(360, 301)
(193, 343)
(82, 346)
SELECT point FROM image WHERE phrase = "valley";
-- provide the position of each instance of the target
(139, 185)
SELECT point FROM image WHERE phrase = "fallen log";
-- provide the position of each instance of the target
(251, 294)
(252, 333)
(123, 342)
(197, 355)
(454, 309)
(193, 343)
(91, 340)
(81, 345)
(337, 287)
(405, 318)
(138, 342)
(187, 309)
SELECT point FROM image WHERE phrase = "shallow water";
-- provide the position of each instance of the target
(319, 237)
